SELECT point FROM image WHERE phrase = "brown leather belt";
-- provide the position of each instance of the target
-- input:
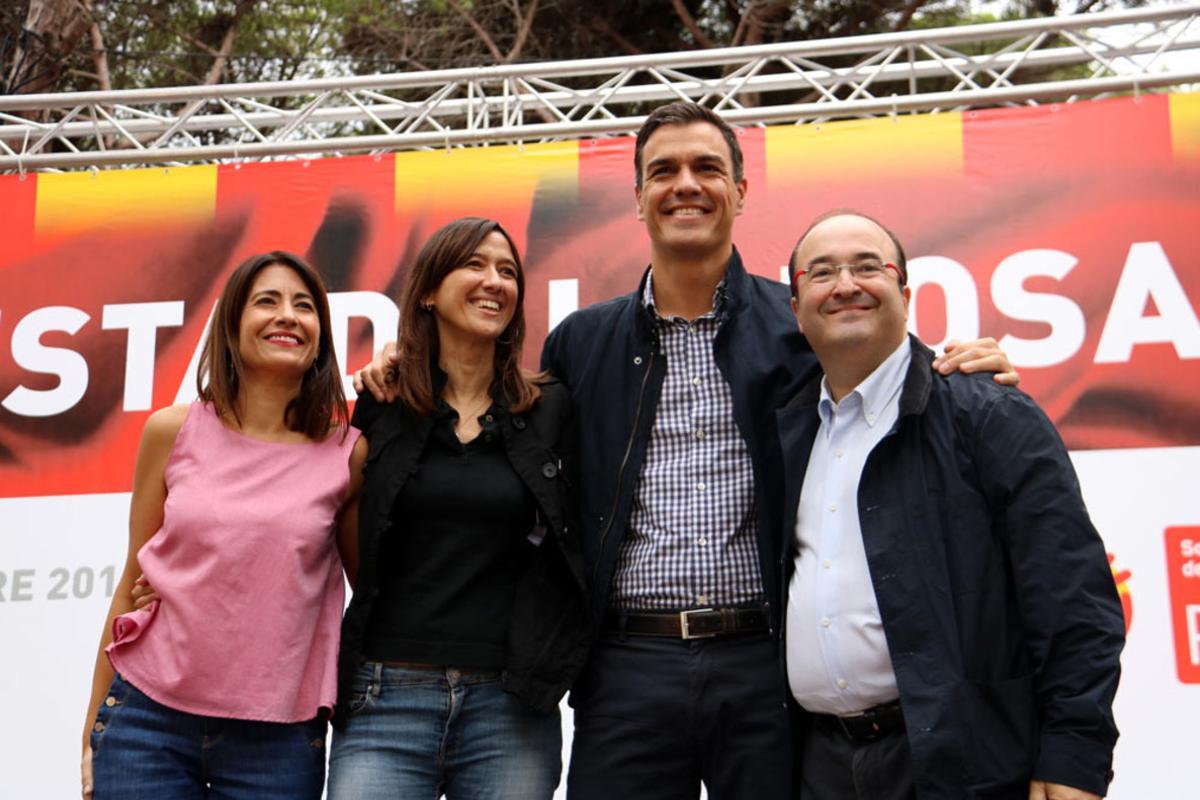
(696, 623)
(865, 727)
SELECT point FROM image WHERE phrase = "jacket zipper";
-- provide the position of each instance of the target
(637, 416)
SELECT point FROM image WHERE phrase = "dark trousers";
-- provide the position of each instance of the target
(655, 717)
(834, 768)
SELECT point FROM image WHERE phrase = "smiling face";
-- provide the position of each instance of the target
(477, 300)
(280, 328)
(847, 320)
(688, 197)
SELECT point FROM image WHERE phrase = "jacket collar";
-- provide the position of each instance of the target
(914, 397)
(919, 380)
(736, 283)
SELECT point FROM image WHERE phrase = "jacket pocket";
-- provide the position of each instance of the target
(548, 634)
(1001, 745)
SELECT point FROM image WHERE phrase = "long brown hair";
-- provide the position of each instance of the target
(449, 248)
(321, 403)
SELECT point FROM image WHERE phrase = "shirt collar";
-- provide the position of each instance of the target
(718, 300)
(871, 396)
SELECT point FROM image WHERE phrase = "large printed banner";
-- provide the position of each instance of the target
(1070, 233)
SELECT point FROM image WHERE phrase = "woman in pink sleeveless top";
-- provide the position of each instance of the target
(241, 501)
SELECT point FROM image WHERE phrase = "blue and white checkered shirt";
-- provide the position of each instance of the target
(691, 541)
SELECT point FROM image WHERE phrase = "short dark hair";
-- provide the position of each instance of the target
(901, 258)
(685, 113)
(449, 248)
(321, 404)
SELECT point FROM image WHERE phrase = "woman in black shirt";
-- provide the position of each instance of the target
(468, 619)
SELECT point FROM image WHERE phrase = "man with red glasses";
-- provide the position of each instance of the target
(952, 627)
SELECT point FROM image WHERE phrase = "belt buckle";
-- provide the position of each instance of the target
(860, 735)
(685, 628)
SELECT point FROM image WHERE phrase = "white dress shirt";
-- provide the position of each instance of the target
(837, 655)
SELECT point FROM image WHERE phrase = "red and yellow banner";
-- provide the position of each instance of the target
(1068, 232)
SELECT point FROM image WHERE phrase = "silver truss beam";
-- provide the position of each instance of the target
(787, 82)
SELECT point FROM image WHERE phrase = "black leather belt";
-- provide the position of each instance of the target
(867, 726)
(696, 623)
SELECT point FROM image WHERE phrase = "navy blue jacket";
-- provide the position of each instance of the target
(999, 607)
(609, 356)
(548, 633)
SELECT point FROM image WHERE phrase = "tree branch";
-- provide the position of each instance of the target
(165, 23)
(99, 54)
(690, 23)
(523, 32)
(218, 65)
(51, 32)
(906, 14)
(603, 26)
(479, 31)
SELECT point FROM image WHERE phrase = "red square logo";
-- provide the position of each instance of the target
(1183, 579)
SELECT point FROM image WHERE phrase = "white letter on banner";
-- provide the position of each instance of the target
(376, 307)
(1148, 275)
(1067, 326)
(962, 300)
(187, 387)
(1192, 613)
(29, 353)
(564, 298)
(142, 320)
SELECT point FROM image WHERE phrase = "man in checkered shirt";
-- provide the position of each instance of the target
(675, 388)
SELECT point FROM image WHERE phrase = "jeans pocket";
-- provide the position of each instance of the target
(364, 689)
(114, 699)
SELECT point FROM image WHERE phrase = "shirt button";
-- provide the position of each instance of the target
(110, 701)
(549, 469)
(700, 598)
(696, 381)
(870, 417)
(700, 487)
(699, 433)
(702, 541)
(839, 452)
(841, 683)
(833, 507)
(98, 727)
(825, 622)
(826, 563)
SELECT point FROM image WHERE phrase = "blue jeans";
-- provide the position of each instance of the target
(425, 732)
(143, 749)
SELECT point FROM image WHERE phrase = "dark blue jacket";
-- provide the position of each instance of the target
(1000, 610)
(609, 356)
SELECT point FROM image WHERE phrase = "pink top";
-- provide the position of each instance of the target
(247, 569)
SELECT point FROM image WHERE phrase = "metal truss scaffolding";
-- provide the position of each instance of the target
(1056, 59)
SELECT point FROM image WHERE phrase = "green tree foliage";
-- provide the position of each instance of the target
(63, 45)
